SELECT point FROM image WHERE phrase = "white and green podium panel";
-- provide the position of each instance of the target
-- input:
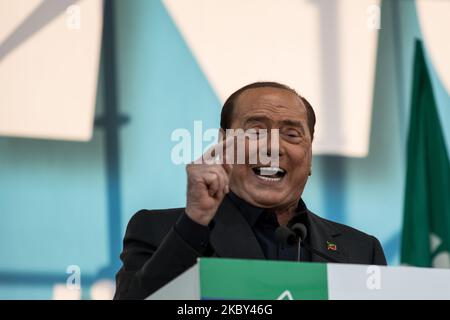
(213, 278)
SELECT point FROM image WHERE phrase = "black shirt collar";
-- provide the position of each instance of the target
(252, 213)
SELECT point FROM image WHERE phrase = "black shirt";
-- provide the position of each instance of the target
(263, 222)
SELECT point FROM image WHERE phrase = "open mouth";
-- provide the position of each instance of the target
(272, 174)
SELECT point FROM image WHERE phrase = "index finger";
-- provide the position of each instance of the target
(210, 155)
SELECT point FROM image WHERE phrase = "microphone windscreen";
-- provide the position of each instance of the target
(300, 230)
(285, 236)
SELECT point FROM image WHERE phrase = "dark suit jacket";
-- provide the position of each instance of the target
(154, 253)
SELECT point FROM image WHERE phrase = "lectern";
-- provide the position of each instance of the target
(217, 278)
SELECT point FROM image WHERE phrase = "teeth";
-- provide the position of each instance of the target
(269, 179)
(269, 171)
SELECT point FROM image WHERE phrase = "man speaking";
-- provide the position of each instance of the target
(243, 209)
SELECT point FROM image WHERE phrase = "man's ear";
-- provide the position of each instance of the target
(310, 172)
(222, 138)
(222, 135)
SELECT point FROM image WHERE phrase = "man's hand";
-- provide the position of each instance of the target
(208, 183)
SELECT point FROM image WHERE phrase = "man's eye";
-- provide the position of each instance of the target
(292, 134)
(255, 133)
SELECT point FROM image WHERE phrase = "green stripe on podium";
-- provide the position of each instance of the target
(256, 279)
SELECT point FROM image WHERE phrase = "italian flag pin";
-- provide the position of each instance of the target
(331, 246)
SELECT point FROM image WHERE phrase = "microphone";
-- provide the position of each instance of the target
(295, 235)
(300, 230)
(285, 236)
(290, 236)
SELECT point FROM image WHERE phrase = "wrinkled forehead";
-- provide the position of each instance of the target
(273, 102)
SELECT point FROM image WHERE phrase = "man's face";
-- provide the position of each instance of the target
(272, 108)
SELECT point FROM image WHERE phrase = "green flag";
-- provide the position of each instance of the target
(426, 225)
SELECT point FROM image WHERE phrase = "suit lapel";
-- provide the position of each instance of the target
(231, 236)
(324, 237)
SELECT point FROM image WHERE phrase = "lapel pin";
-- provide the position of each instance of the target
(331, 246)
